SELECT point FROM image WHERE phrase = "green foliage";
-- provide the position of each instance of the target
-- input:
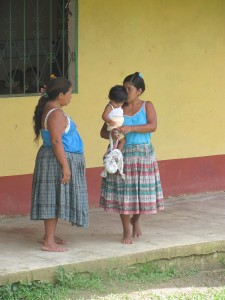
(69, 285)
(37, 290)
(79, 281)
(222, 261)
(147, 273)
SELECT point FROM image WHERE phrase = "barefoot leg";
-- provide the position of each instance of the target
(49, 243)
(126, 229)
(136, 227)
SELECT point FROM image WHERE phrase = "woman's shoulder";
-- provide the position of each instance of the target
(145, 103)
(53, 113)
(149, 108)
(148, 104)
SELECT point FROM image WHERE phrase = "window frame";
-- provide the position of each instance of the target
(72, 32)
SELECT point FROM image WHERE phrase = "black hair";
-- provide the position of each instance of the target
(54, 87)
(118, 94)
(136, 80)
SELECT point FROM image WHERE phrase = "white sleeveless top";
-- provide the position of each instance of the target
(115, 112)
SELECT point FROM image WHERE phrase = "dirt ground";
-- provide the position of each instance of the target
(195, 282)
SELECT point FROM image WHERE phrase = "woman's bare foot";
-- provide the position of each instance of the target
(60, 241)
(136, 228)
(53, 248)
(127, 238)
(57, 241)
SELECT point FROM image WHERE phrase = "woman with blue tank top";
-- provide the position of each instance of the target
(59, 184)
(141, 192)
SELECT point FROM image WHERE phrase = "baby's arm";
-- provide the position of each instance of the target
(105, 114)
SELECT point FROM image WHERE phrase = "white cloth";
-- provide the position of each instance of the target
(116, 114)
(113, 160)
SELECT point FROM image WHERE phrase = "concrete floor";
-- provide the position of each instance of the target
(190, 225)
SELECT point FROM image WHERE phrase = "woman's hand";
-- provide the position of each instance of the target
(66, 174)
(125, 129)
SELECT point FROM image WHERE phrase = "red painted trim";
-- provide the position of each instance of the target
(178, 176)
(93, 176)
(192, 175)
(15, 194)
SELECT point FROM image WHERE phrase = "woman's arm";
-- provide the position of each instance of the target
(151, 126)
(56, 125)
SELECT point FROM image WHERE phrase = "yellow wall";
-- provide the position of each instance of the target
(179, 47)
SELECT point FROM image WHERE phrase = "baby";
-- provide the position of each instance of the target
(113, 112)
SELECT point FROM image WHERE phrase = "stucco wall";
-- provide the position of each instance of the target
(178, 46)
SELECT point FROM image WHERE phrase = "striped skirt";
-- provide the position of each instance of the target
(141, 192)
(51, 198)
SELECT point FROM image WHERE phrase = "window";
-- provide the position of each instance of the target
(38, 38)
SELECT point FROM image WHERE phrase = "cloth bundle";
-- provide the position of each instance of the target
(113, 160)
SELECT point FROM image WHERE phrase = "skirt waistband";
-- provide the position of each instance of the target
(139, 146)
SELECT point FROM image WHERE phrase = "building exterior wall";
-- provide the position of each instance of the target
(178, 46)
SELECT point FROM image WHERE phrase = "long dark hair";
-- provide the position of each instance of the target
(54, 87)
(136, 80)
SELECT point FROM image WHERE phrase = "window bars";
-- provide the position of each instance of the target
(37, 39)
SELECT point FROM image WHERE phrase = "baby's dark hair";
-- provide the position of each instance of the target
(136, 80)
(118, 94)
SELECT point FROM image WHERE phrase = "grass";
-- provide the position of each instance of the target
(150, 273)
(121, 284)
(35, 290)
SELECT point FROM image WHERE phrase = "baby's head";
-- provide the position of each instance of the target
(117, 95)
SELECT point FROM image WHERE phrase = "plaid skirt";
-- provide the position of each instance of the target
(141, 192)
(51, 198)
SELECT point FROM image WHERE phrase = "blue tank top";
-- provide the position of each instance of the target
(71, 139)
(137, 138)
